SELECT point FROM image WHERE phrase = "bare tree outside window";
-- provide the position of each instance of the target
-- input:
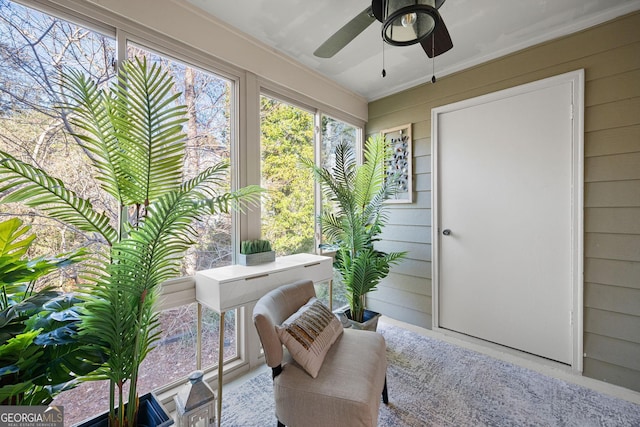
(34, 50)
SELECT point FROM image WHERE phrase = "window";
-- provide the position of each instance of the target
(287, 133)
(208, 99)
(333, 132)
(34, 50)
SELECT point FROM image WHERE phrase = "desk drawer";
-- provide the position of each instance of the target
(225, 295)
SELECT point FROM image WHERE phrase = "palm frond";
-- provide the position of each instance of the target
(331, 226)
(32, 186)
(345, 164)
(150, 129)
(369, 178)
(90, 116)
(206, 189)
(209, 181)
(238, 200)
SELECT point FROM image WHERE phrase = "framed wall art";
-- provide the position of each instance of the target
(399, 166)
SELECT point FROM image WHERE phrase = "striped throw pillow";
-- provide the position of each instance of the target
(309, 333)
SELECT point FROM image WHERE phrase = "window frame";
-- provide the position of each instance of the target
(319, 110)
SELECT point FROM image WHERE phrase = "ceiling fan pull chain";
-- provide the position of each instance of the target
(433, 59)
(384, 72)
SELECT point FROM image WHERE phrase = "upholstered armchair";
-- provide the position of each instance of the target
(337, 376)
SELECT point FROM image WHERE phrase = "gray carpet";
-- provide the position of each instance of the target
(434, 383)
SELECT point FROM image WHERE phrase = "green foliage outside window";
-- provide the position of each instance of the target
(288, 211)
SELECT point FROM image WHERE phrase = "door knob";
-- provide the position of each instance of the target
(446, 232)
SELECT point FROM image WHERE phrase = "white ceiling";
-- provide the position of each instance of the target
(481, 30)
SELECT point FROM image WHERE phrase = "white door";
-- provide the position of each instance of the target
(506, 165)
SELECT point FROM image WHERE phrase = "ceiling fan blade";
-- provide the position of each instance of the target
(344, 35)
(439, 3)
(439, 41)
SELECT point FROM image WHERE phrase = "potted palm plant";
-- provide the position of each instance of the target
(133, 133)
(354, 221)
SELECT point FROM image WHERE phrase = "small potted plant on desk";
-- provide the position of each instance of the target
(134, 136)
(351, 228)
(254, 252)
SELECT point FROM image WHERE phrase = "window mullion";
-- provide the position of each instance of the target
(317, 189)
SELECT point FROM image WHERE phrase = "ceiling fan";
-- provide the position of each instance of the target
(404, 22)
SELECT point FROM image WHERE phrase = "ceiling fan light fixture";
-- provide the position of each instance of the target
(409, 19)
(406, 22)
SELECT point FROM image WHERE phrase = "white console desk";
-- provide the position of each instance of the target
(226, 288)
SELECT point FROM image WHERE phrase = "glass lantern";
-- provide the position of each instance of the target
(195, 403)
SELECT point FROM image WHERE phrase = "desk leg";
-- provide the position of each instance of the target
(199, 338)
(220, 363)
(331, 295)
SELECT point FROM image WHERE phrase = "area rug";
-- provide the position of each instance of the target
(435, 383)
